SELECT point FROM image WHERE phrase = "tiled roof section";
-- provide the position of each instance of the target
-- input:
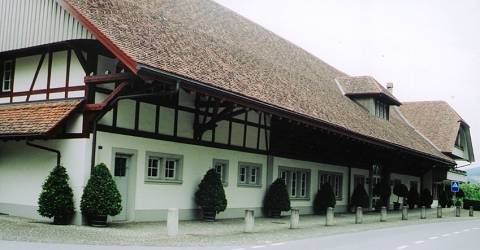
(33, 119)
(437, 120)
(365, 85)
(206, 42)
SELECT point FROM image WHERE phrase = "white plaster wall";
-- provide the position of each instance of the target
(23, 170)
(197, 160)
(314, 168)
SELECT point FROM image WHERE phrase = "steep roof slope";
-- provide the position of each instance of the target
(437, 120)
(206, 42)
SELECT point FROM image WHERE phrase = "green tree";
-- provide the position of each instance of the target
(426, 198)
(359, 197)
(276, 198)
(210, 195)
(444, 197)
(400, 190)
(101, 196)
(325, 198)
(383, 190)
(56, 198)
(412, 198)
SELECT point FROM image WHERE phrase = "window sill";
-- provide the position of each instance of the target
(299, 198)
(174, 182)
(249, 185)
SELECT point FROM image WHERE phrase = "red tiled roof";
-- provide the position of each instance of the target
(34, 119)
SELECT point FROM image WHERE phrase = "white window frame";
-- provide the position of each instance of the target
(162, 177)
(336, 178)
(224, 172)
(150, 168)
(4, 75)
(250, 168)
(298, 187)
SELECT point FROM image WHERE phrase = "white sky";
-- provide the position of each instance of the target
(429, 49)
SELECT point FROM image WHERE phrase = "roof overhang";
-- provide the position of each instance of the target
(385, 98)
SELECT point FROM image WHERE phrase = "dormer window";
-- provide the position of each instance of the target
(7, 76)
(382, 110)
(459, 142)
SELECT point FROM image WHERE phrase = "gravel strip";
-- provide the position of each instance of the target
(227, 232)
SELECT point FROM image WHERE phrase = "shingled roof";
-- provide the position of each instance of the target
(34, 119)
(365, 86)
(208, 43)
(437, 120)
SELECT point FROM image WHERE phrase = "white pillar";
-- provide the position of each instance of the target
(470, 212)
(294, 218)
(383, 214)
(457, 211)
(405, 213)
(330, 217)
(172, 222)
(423, 213)
(359, 215)
(439, 212)
(249, 221)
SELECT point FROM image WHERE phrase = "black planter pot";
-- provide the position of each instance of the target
(274, 213)
(98, 220)
(61, 220)
(396, 206)
(209, 215)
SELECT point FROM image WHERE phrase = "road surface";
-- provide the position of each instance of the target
(464, 235)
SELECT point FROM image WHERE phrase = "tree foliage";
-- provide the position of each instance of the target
(325, 198)
(400, 190)
(426, 198)
(56, 198)
(412, 198)
(471, 191)
(210, 195)
(383, 190)
(277, 197)
(359, 197)
(101, 196)
(445, 197)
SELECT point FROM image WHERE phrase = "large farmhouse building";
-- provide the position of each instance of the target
(161, 91)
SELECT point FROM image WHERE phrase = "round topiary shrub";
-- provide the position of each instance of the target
(383, 190)
(359, 197)
(210, 196)
(100, 197)
(426, 198)
(325, 198)
(276, 199)
(412, 198)
(56, 198)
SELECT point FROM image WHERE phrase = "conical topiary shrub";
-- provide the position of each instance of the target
(276, 199)
(359, 197)
(325, 198)
(400, 190)
(383, 190)
(100, 197)
(412, 198)
(56, 198)
(444, 197)
(210, 196)
(426, 198)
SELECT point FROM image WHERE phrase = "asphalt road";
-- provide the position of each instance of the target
(436, 236)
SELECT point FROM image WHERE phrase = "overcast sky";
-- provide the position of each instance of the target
(430, 50)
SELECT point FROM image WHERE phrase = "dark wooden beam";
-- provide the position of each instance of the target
(100, 79)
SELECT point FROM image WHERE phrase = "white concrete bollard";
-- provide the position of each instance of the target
(294, 218)
(249, 220)
(423, 213)
(457, 211)
(405, 213)
(439, 212)
(329, 221)
(172, 222)
(470, 212)
(383, 214)
(359, 215)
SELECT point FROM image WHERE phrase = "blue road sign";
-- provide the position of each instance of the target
(455, 186)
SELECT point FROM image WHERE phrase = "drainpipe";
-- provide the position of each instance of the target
(59, 156)
(114, 102)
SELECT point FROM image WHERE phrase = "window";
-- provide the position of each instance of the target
(381, 110)
(120, 168)
(297, 181)
(249, 174)
(163, 168)
(414, 185)
(335, 180)
(459, 142)
(358, 180)
(221, 167)
(7, 76)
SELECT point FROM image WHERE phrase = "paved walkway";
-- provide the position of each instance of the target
(198, 233)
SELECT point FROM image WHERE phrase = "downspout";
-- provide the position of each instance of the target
(59, 156)
(110, 105)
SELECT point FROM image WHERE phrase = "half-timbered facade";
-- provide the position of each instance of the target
(161, 92)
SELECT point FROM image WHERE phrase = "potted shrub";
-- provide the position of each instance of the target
(383, 190)
(325, 198)
(412, 198)
(100, 197)
(276, 199)
(443, 197)
(56, 198)
(359, 198)
(210, 196)
(426, 198)
(400, 190)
